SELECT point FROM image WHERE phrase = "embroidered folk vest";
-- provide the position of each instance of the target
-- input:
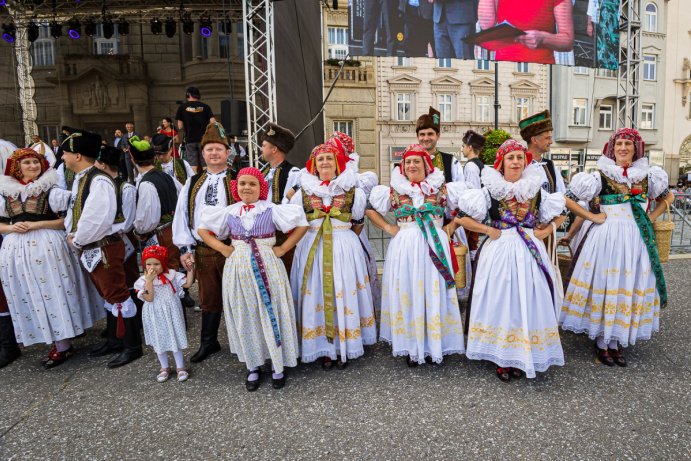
(280, 180)
(83, 193)
(196, 183)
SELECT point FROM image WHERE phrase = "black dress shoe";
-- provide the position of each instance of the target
(341, 365)
(205, 350)
(411, 363)
(252, 386)
(278, 383)
(106, 348)
(504, 374)
(125, 357)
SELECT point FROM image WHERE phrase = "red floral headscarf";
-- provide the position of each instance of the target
(13, 167)
(250, 171)
(625, 133)
(510, 145)
(417, 150)
(342, 142)
(161, 254)
(341, 159)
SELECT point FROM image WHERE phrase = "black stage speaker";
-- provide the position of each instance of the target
(234, 117)
(299, 70)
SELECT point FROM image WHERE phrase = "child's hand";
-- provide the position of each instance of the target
(150, 275)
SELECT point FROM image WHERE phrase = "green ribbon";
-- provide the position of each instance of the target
(424, 216)
(325, 231)
(645, 226)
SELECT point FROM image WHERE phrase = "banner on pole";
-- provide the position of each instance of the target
(567, 32)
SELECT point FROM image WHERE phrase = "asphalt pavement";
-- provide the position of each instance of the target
(376, 409)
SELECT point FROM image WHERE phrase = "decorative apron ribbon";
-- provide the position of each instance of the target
(424, 215)
(509, 220)
(262, 279)
(325, 231)
(645, 226)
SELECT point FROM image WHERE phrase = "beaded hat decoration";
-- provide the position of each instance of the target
(342, 142)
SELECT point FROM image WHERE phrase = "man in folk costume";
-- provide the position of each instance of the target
(210, 187)
(428, 134)
(281, 175)
(157, 195)
(9, 350)
(93, 225)
(176, 168)
(473, 143)
(108, 161)
(536, 131)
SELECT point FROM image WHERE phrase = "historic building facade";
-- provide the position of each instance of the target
(100, 84)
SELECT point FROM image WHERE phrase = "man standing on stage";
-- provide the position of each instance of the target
(193, 116)
(210, 187)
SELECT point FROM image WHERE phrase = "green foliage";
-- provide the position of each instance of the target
(494, 138)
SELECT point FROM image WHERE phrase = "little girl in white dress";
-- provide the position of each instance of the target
(162, 315)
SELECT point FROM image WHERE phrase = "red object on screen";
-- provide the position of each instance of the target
(527, 15)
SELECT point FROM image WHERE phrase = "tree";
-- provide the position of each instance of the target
(494, 139)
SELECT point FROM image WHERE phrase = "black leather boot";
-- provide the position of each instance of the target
(209, 337)
(111, 345)
(132, 343)
(9, 350)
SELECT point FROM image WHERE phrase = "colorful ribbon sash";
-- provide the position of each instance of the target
(509, 220)
(325, 231)
(262, 279)
(645, 226)
(424, 216)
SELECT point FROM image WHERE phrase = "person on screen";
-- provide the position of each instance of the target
(418, 28)
(374, 11)
(548, 27)
(453, 21)
(603, 23)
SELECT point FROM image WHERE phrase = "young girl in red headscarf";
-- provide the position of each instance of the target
(257, 301)
(164, 323)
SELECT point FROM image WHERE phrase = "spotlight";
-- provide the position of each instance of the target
(156, 26)
(171, 27)
(55, 29)
(32, 31)
(74, 29)
(205, 27)
(90, 27)
(123, 27)
(3, 2)
(187, 24)
(9, 33)
(108, 28)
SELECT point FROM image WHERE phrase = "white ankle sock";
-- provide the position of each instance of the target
(277, 375)
(163, 358)
(179, 360)
(601, 342)
(63, 345)
(613, 344)
(254, 375)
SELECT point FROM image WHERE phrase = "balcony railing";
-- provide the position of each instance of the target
(360, 76)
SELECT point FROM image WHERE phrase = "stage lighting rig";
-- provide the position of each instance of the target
(32, 31)
(171, 27)
(90, 27)
(205, 27)
(9, 32)
(123, 27)
(156, 26)
(55, 29)
(74, 29)
(187, 24)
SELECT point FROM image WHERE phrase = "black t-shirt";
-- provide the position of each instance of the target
(195, 116)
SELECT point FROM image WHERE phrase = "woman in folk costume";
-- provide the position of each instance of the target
(617, 286)
(329, 278)
(366, 181)
(258, 305)
(420, 316)
(50, 299)
(512, 320)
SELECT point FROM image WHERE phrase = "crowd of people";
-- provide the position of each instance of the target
(281, 256)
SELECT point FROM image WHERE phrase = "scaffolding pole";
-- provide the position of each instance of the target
(260, 75)
(630, 56)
